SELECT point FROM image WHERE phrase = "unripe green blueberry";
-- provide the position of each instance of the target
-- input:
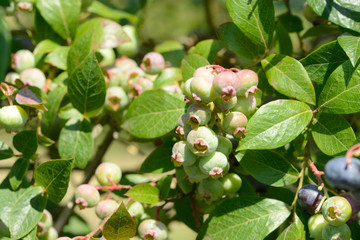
(224, 145)
(249, 81)
(11, 77)
(336, 210)
(234, 123)
(201, 90)
(151, 229)
(108, 170)
(214, 164)
(224, 106)
(316, 225)
(226, 84)
(131, 48)
(116, 77)
(141, 84)
(206, 71)
(173, 88)
(23, 59)
(182, 155)
(194, 174)
(125, 63)
(209, 190)
(231, 183)
(341, 232)
(246, 105)
(13, 117)
(46, 219)
(202, 141)
(187, 90)
(183, 127)
(108, 57)
(198, 115)
(106, 208)
(86, 196)
(153, 63)
(33, 77)
(116, 99)
(136, 209)
(51, 234)
(183, 181)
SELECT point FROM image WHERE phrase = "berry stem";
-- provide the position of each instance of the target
(301, 181)
(353, 151)
(317, 173)
(7, 91)
(195, 213)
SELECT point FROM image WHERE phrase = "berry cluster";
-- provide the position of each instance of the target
(220, 101)
(45, 230)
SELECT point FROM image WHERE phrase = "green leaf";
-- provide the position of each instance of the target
(43, 30)
(295, 231)
(5, 151)
(62, 15)
(323, 28)
(182, 180)
(332, 134)
(207, 48)
(172, 51)
(17, 172)
(26, 142)
(244, 218)
(255, 19)
(58, 57)
(5, 43)
(164, 186)
(76, 226)
(190, 63)
(341, 94)
(144, 193)
(341, 12)
(21, 210)
(78, 52)
(269, 167)
(31, 235)
(103, 10)
(159, 160)
(148, 116)
(86, 86)
(276, 124)
(323, 61)
(54, 176)
(55, 98)
(351, 46)
(120, 225)
(291, 23)
(237, 42)
(184, 212)
(106, 33)
(45, 46)
(283, 42)
(167, 77)
(289, 77)
(75, 141)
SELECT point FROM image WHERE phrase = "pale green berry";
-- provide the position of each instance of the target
(316, 225)
(13, 117)
(336, 210)
(224, 146)
(106, 208)
(209, 190)
(214, 164)
(130, 48)
(341, 232)
(33, 77)
(182, 155)
(108, 57)
(194, 174)
(199, 115)
(202, 141)
(116, 99)
(246, 105)
(234, 123)
(23, 59)
(86, 196)
(151, 229)
(108, 170)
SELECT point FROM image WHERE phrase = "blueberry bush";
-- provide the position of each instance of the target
(254, 124)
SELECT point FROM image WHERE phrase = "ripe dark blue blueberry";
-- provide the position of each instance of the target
(342, 176)
(309, 197)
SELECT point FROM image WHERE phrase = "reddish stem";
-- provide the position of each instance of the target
(353, 151)
(6, 89)
(195, 213)
(317, 173)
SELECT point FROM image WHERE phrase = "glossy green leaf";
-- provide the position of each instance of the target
(144, 193)
(148, 116)
(283, 42)
(75, 141)
(269, 167)
(341, 93)
(289, 77)
(255, 19)
(164, 186)
(106, 33)
(17, 172)
(295, 231)
(207, 48)
(167, 77)
(54, 176)
(249, 217)
(78, 52)
(21, 210)
(190, 63)
(53, 105)
(323, 61)
(31, 235)
(45, 46)
(5, 151)
(43, 30)
(58, 57)
(344, 13)
(351, 45)
(276, 124)
(120, 226)
(86, 86)
(172, 51)
(159, 160)
(26, 143)
(332, 134)
(237, 42)
(62, 15)
(5, 43)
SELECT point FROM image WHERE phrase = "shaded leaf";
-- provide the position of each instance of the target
(164, 186)
(144, 193)
(190, 63)
(172, 51)
(185, 213)
(53, 105)
(5, 43)
(291, 23)
(5, 151)
(17, 172)
(295, 231)
(159, 160)
(26, 143)
(283, 42)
